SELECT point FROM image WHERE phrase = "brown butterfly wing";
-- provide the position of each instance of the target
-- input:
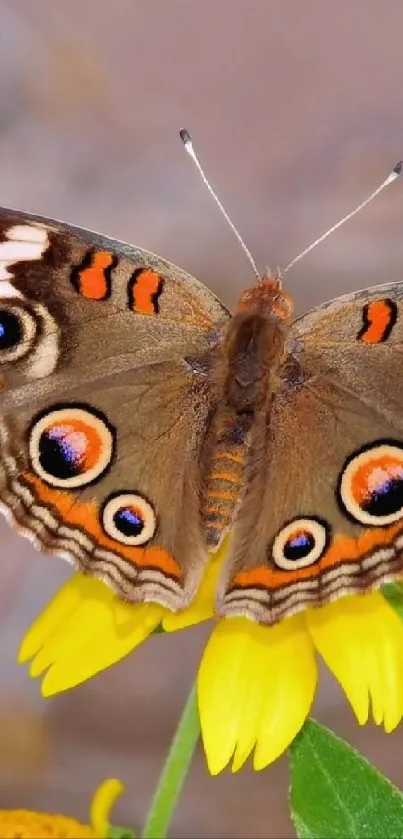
(102, 413)
(322, 509)
(356, 341)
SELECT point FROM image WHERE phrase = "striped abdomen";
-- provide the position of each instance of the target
(222, 489)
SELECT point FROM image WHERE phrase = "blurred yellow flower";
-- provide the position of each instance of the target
(256, 684)
(28, 824)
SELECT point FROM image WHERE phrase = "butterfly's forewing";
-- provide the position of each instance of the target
(101, 416)
(322, 511)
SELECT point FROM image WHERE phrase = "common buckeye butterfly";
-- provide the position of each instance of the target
(140, 422)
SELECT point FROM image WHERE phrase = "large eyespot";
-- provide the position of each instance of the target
(129, 518)
(17, 332)
(371, 484)
(71, 446)
(300, 543)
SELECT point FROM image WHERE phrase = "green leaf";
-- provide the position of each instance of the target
(337, 794)
(393, 593)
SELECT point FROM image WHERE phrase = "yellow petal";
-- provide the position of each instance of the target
(255, 688)
(361, 640)
(84, 621)
(202, 606)
(87, 622)
(92, 652)
(102, 803)
(83, 630)
(56, 612)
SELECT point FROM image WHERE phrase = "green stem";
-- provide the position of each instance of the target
(174, 772)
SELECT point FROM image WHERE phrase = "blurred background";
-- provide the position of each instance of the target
(296, 110)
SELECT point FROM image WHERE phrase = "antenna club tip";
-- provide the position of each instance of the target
(186, 138)
(398, 169)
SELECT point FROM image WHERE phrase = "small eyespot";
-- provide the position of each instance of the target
(129, 518)
(371, 484)
(70, 446)
(18, 331)
(301, 543)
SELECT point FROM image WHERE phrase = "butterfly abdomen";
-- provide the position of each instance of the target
(224, 482)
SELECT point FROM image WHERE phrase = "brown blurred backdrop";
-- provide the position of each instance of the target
(297, 113)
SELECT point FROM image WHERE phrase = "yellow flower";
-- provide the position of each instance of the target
(256, 684)
(28, 824)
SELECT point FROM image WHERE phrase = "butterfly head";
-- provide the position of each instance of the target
(267, 296)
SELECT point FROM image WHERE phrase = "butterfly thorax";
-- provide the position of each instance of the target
(253, 351)
(246, 371)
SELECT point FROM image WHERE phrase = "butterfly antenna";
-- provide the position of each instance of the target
(396, 171)
(188, 143)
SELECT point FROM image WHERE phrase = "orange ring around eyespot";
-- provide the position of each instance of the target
(85, 433)
(144, 509)
(364, 475)
(80, 435)
(386, 465)
(310, 526)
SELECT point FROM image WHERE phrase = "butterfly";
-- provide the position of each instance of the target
(141, 422)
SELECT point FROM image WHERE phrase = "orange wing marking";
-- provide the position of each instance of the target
(144, 290)
(343, 550)
(85, 515)
(92, 279)
(379, 319)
